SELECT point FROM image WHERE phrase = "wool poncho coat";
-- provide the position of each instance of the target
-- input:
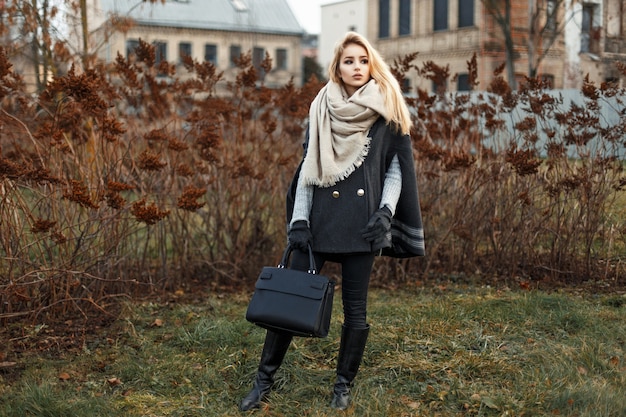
(339, 213)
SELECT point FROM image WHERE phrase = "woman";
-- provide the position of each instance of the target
(354, 196)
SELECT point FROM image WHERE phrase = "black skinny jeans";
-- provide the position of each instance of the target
(356, 269)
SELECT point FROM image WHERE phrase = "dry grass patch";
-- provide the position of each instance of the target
(457, 352)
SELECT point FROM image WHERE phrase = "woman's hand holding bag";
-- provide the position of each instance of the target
(299, 235)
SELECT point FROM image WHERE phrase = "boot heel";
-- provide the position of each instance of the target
(274, 350)
(350, 356)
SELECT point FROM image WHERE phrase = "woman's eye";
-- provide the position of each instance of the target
(347, 61)
(364, 61)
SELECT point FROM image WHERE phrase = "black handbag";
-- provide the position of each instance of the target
(289, 300)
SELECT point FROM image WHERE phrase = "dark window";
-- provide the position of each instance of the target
(462, 83)
(258, 55)
(547, 80)
(439, 87)
(184, 49)
(587, 29)
(281, 59)
(235, 54)
(210, 53)
(440, 21)
(131, 47)
(466, 13)
(404, 19)
(160, 49)
(406, 85)
(383, 18)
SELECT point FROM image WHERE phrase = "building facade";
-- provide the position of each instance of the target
(572, 39)
(337, 19)
(216, 31)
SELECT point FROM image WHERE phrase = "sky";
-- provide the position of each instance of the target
(308, 13)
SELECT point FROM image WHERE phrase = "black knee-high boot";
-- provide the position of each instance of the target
(350, 356)
(274, 350)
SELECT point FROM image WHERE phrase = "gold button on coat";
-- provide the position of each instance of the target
(335, 194)
(360, 192)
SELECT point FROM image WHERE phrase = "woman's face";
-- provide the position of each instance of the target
(354, 67)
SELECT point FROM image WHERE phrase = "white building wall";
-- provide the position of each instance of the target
(337, 19)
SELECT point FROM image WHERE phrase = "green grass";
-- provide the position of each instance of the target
(456, 352)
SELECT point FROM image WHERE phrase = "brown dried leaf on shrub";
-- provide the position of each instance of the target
(150, 161)
(525, 162)
(58, 238)
(177, 145)
(149, 214)
(112, 129)
(119, 186)
(145, 53)
(157, 135)
(457, 160)
(114, 200)
(9, 80)
(85, 88)
(10, 169)
(184, 170)
(187, 201)
(42, 225)
(79, 193)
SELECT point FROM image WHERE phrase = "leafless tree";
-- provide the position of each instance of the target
(544, 27)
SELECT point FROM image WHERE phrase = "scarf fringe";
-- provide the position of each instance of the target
(326, 182)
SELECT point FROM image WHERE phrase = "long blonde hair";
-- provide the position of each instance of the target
(379, 71)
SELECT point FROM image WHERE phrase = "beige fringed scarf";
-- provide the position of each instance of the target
(338, 129)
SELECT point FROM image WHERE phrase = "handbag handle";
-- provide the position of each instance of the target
(287, 254)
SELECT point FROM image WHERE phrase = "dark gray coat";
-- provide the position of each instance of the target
(340, 213)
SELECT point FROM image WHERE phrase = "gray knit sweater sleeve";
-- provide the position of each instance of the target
(302, 202)
(392, 186)
(390, 196)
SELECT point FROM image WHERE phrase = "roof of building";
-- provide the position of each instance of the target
(258, 16)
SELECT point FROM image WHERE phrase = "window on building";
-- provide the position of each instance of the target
(547, 80)
(258, 55)
(184, 49)
(210, 53)
(404, 18)
(440, 16)
(235, 54)
(160, 49)
(383, 18)
(466, 13)
(131, 47)
(588, 41)
(406, 85)
(463, 83)
(439, 86)
(281, 59)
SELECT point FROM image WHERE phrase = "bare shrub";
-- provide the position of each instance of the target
(136, 180)
(123, 179)
(519, 184)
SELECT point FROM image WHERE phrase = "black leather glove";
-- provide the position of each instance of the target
(378, 226)
(299, 235)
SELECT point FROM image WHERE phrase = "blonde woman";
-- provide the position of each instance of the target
(354, 196)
